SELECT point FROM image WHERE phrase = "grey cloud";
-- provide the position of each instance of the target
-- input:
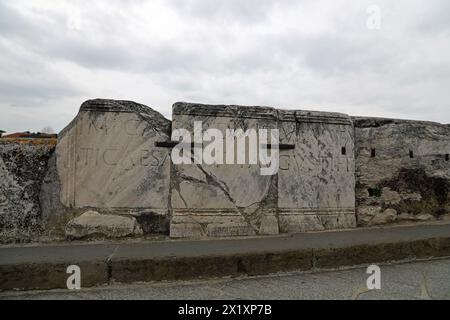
(26, 80)
(233, 11)
(32, 94)
(395, 69)
(324, 53)
(12, 23)
(432, 21)
(126, 54)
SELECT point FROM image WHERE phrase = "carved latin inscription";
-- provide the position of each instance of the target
(108, 159)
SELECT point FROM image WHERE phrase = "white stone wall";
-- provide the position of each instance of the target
(112, 175)
(313, 190)
(316, 181)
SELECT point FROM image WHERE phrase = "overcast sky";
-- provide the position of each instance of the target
(313, 55)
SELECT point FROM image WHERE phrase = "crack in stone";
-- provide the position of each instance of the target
(176, 179)
(212, 180)
(424, 288)
(109, 264)
(359, 292)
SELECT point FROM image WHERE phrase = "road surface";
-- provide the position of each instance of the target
(414, 280)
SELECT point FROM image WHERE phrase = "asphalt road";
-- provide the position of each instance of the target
(416, 280)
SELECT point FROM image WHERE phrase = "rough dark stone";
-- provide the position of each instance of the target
(153, 223)
(54, 214)
(401, 165)
(23, 165)
(434, 192)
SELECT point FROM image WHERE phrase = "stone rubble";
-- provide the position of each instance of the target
(92, 223)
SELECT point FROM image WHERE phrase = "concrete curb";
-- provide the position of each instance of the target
(48, 275)
(43, 276)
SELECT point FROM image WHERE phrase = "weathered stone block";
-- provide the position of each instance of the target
(316, 180)
(92, 223)
(226, 199)
(107, 160)
(385, 217)
(401, 165)
(23, 165)
(313, 189)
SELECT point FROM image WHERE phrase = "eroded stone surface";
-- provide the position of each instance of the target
(401, 165)
(316, 180)
(54, 214)
(313, 190)
(23, 164)
(92, 223)
(228, 199)
(385, 217)
(107, 159)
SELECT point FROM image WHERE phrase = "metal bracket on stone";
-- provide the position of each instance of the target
(282, 146)
(165, 144)
(171, 144)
